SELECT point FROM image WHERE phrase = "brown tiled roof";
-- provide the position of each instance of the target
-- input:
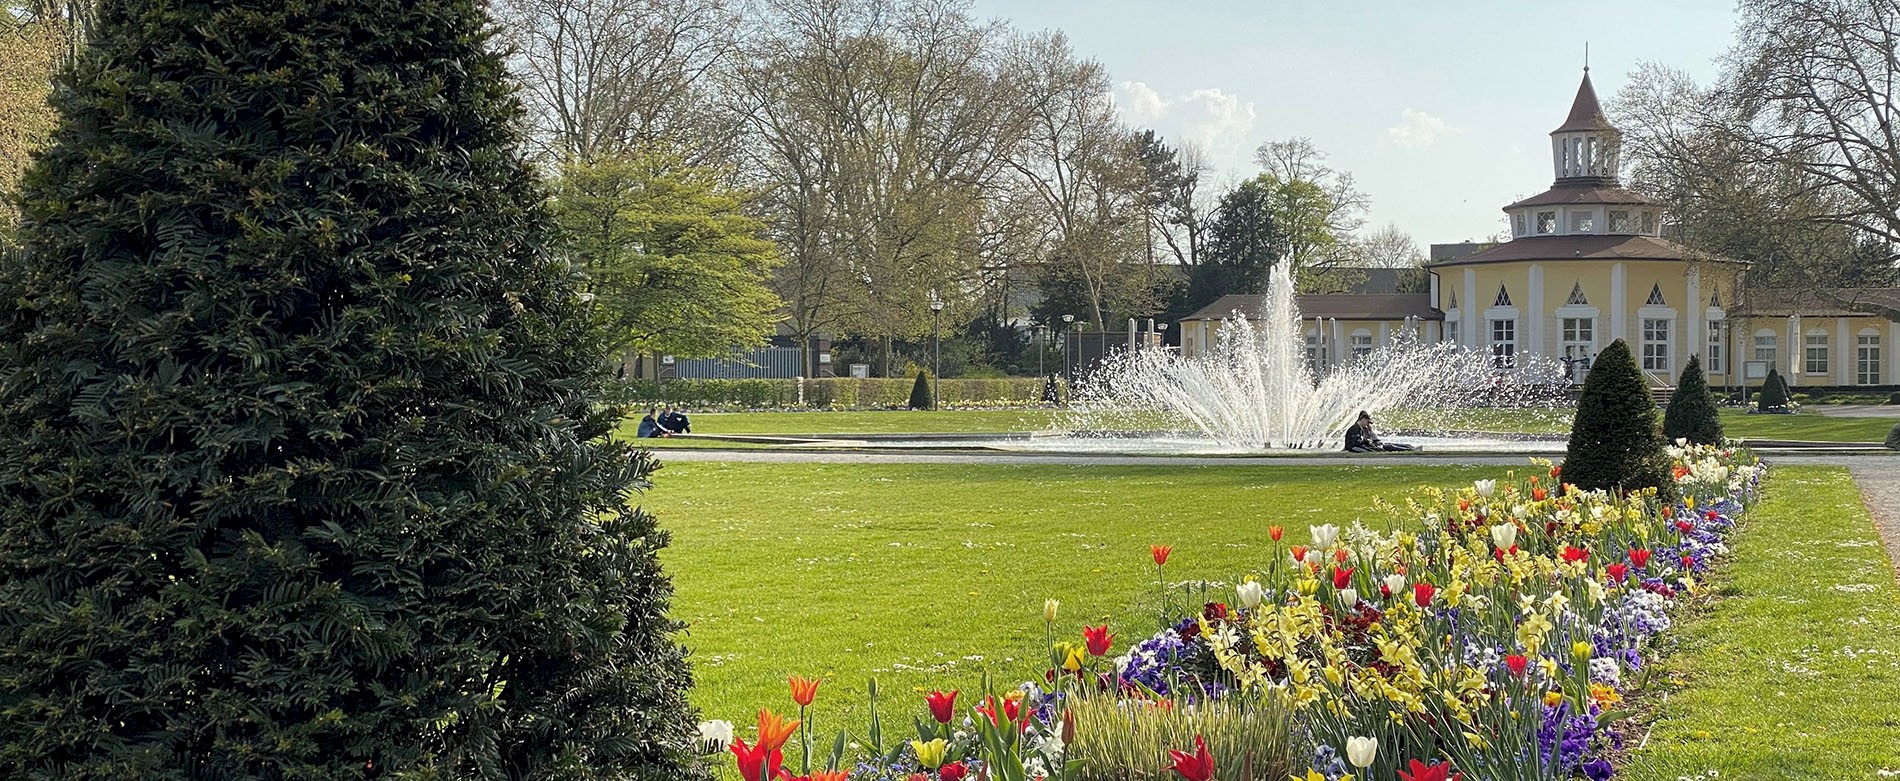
(1820, 302)
(1340, 306)
(1585, 112)
(1580, 247)
(1564, 193)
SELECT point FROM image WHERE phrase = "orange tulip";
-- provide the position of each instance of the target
(774, 730)
(804, 690)
(1276, 532)
(1161, 553)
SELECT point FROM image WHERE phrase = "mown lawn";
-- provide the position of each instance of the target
(1795, 672)
(1803, 426)
(928, 575)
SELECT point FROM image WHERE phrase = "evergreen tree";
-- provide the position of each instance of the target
(920, 392)
(304, 470)
(1615, 442)
(1773, 394)
(1692, 414)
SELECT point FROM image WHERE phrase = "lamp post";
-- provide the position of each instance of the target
(1042, 346)
(1067, 320)
(936, 347)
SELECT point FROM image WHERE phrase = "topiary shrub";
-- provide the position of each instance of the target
(1615, 442)
(1893, 438)
(1774, 393)
(1051, 391)
(305, 465)
(1692, 414)
(920, 392)
(1893, 398)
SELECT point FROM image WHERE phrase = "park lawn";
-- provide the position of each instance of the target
(870, 422)
(929, 575)
(1807, 426)
(1795, 671)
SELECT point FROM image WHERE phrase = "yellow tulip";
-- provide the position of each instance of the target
(931, 754)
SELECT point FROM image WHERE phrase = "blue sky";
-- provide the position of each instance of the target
(1442, 110)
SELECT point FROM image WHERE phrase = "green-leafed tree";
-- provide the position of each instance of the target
(304, 466)
(1692, 414)
(1773, 394)
(1615, 442)
(674, 264)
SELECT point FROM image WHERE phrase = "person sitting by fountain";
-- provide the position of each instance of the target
(1361, 438)
(650, 426)
(674, 420)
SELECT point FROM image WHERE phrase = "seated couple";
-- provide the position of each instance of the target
(1362, 439)
(664, 423)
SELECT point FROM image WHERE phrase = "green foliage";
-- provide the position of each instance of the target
(920, 392)
(1774, 392)
(1692, 414)
(1243, 735)
(674, 264)
(1893, 398)
(1615, 442)
(838, 393)
(1244, 240)
(301, 433)
(1893, 438)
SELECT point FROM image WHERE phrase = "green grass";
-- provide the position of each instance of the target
(1807, 426)
(927, 575)
(1795, 672)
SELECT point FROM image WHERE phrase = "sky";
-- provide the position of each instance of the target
(1441, 110)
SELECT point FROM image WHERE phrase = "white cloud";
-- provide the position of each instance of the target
(1206, 117)
(1417, 130)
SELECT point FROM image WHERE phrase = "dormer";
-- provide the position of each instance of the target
(1585, 149)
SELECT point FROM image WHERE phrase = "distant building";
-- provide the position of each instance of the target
(1587, 264)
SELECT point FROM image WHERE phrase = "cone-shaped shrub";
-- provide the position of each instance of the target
(1615, 442)
(303, 467)
(1773, 394)
(920, 392)
(1692, 414)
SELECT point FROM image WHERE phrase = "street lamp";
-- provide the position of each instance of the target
(936, 346)
(1067, 320)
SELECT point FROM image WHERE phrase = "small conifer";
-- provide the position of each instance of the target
(1692, 414)
(1615, 442)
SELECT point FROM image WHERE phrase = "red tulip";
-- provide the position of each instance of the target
(1556, 470)
(1685, 527)
(1160, 553)
(1276, 532)
(1198, 766)
(1516, 664)
(1423, 772)
(1617, 571)
(942, 706)
(1342, 555)
(804, 690)
(1688, 561)
(1342, 577)
(1668, 512)
(1538, 494)
(1640, 556)
(1299, 553)
(954, 771)
(1098, 639)
(1573, 553)
(757, 761)
(1422, 593)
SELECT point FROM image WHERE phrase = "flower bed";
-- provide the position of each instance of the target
(1497, 640)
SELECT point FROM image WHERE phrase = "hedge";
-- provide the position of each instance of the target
(835, 393)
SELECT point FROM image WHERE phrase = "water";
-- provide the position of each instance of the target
(1254, 391)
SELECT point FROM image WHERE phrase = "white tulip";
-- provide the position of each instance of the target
(716, 733)
(1250, 594)
(1361, 750)
(1485, 487)
(1324, 536)
(1505, 535)
(1348, 597)
(1395, 583)
(1312, 558)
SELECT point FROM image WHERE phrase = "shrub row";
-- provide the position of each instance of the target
(834, 393)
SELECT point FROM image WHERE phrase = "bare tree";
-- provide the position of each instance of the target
(1814, 80)
(1388, 247)
(600, 77)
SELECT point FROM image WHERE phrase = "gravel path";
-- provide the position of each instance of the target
(1879, 481)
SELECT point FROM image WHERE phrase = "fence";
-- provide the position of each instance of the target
(760, 363)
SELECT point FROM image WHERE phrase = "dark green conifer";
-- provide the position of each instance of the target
(920, 391)
(1615, 442)
(1692, 414)
(1773, 395)
(304, 470)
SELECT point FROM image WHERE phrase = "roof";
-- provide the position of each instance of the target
(1581, 247)
(1338, 306)
(1458, 250)
(1591, 190)
(1585, 112)
(1820, 302)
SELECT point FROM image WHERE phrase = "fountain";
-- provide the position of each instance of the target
(1253, 389)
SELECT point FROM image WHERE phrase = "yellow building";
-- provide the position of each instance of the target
(1587, 264)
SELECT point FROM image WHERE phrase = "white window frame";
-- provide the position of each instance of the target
(1716, 355)
(1316, 358)
(1815, 352)
(1550, 228)
(1502, 341)
(1619, 221)
(1655, 337)
(1766, 346)
(1867, 357)
(1361, 343)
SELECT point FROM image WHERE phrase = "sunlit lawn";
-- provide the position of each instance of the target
(1795, 672)
(928, 575)
(1803, 426)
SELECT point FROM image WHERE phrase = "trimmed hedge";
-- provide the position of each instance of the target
(835, 393)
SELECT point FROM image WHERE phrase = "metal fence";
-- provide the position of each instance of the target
(762, 363)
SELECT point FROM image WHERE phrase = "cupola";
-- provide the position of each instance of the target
(1584, 150)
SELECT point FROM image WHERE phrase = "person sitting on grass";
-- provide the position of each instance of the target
(1361, 438)
(673, 420)
(650, 426)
